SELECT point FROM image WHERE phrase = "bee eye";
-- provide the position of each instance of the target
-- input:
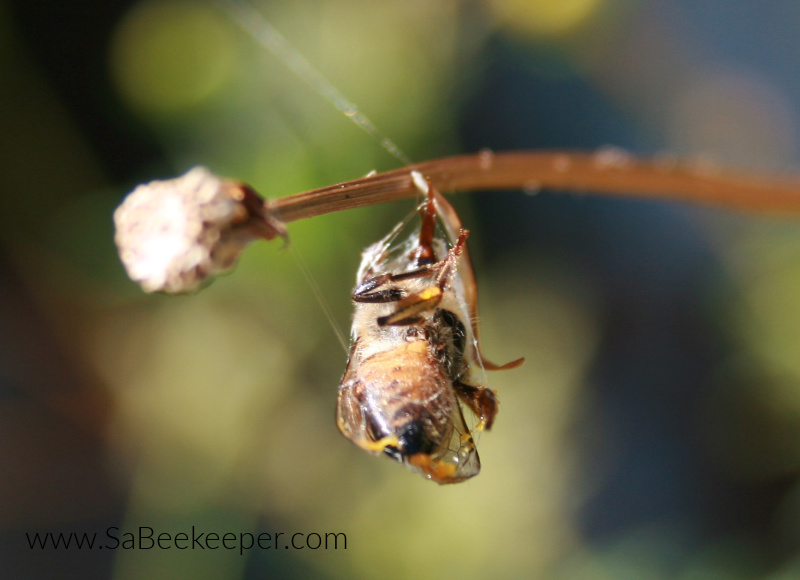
(459, 333)
(413, 439)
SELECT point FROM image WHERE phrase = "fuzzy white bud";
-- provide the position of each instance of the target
(173, 234)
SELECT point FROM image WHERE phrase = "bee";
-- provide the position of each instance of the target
(414, 347)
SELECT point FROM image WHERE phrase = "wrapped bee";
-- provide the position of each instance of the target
(414, 348)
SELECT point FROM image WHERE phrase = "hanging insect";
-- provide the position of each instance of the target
(414, 348)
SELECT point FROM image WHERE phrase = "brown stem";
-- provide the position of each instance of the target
(601, 172)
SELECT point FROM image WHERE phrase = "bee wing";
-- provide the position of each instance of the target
(349, 418)
(469, 463)
(352, 422)
(458, 462)
(452, 225)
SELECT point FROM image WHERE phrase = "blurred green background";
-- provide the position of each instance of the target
(654, 430)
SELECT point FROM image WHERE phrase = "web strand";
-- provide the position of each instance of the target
(252, 22)
(320, 297)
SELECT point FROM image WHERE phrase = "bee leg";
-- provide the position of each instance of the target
(452, 224)
(448, 267)
(410, 308)
(481, 401)
(424, 252)
(368, 291)
(490, 366)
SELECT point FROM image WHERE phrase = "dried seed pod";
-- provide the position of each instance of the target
(174, 234)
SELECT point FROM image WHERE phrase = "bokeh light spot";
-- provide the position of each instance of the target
(168, 56)
(742, 118)
(544, 17)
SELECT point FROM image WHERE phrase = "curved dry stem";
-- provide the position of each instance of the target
(604, 172)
